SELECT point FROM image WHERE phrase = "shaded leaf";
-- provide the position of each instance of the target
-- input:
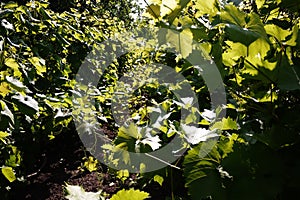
(241, 27)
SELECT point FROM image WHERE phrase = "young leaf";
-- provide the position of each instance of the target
(130, 194)
(158, 179)
(8, 173)
(3, 135)
(225, 124)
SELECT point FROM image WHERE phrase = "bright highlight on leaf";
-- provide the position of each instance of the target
(195, 135)
(76, 192)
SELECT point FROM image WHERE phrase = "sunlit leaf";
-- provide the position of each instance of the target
(4, 89)
(167, 7)
(206, 7)
(39, 64)
(10, 62)
(182, 41)
(158, 179)
(130, 194)
(208, 115)
(225, 124)
(8, 173)
(3, 135)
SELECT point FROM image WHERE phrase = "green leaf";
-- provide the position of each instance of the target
(276, 31)
(130, 194)
(167, 7)
(10, 62)
(260, 3)
(233, 53)
(200, 171)
(11, 5)
(206, 7)
(226, 144)
(4, 89)
(241, 27)
(181, 40)
(8, 173)
(3, 135)
(288, 76)
(225, 124)
(91, 164)
(123, 174)
(130, 131)
(39, 64)
(158, 179)
(153, 10)
(176, 11)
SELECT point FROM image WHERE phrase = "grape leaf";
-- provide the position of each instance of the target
(201, 175)
(206, 7)
(225, 124)
(130, 194)
(181, 40)
(241, 27)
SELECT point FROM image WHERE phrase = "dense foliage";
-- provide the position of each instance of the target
(41, 51)
(255, 46)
